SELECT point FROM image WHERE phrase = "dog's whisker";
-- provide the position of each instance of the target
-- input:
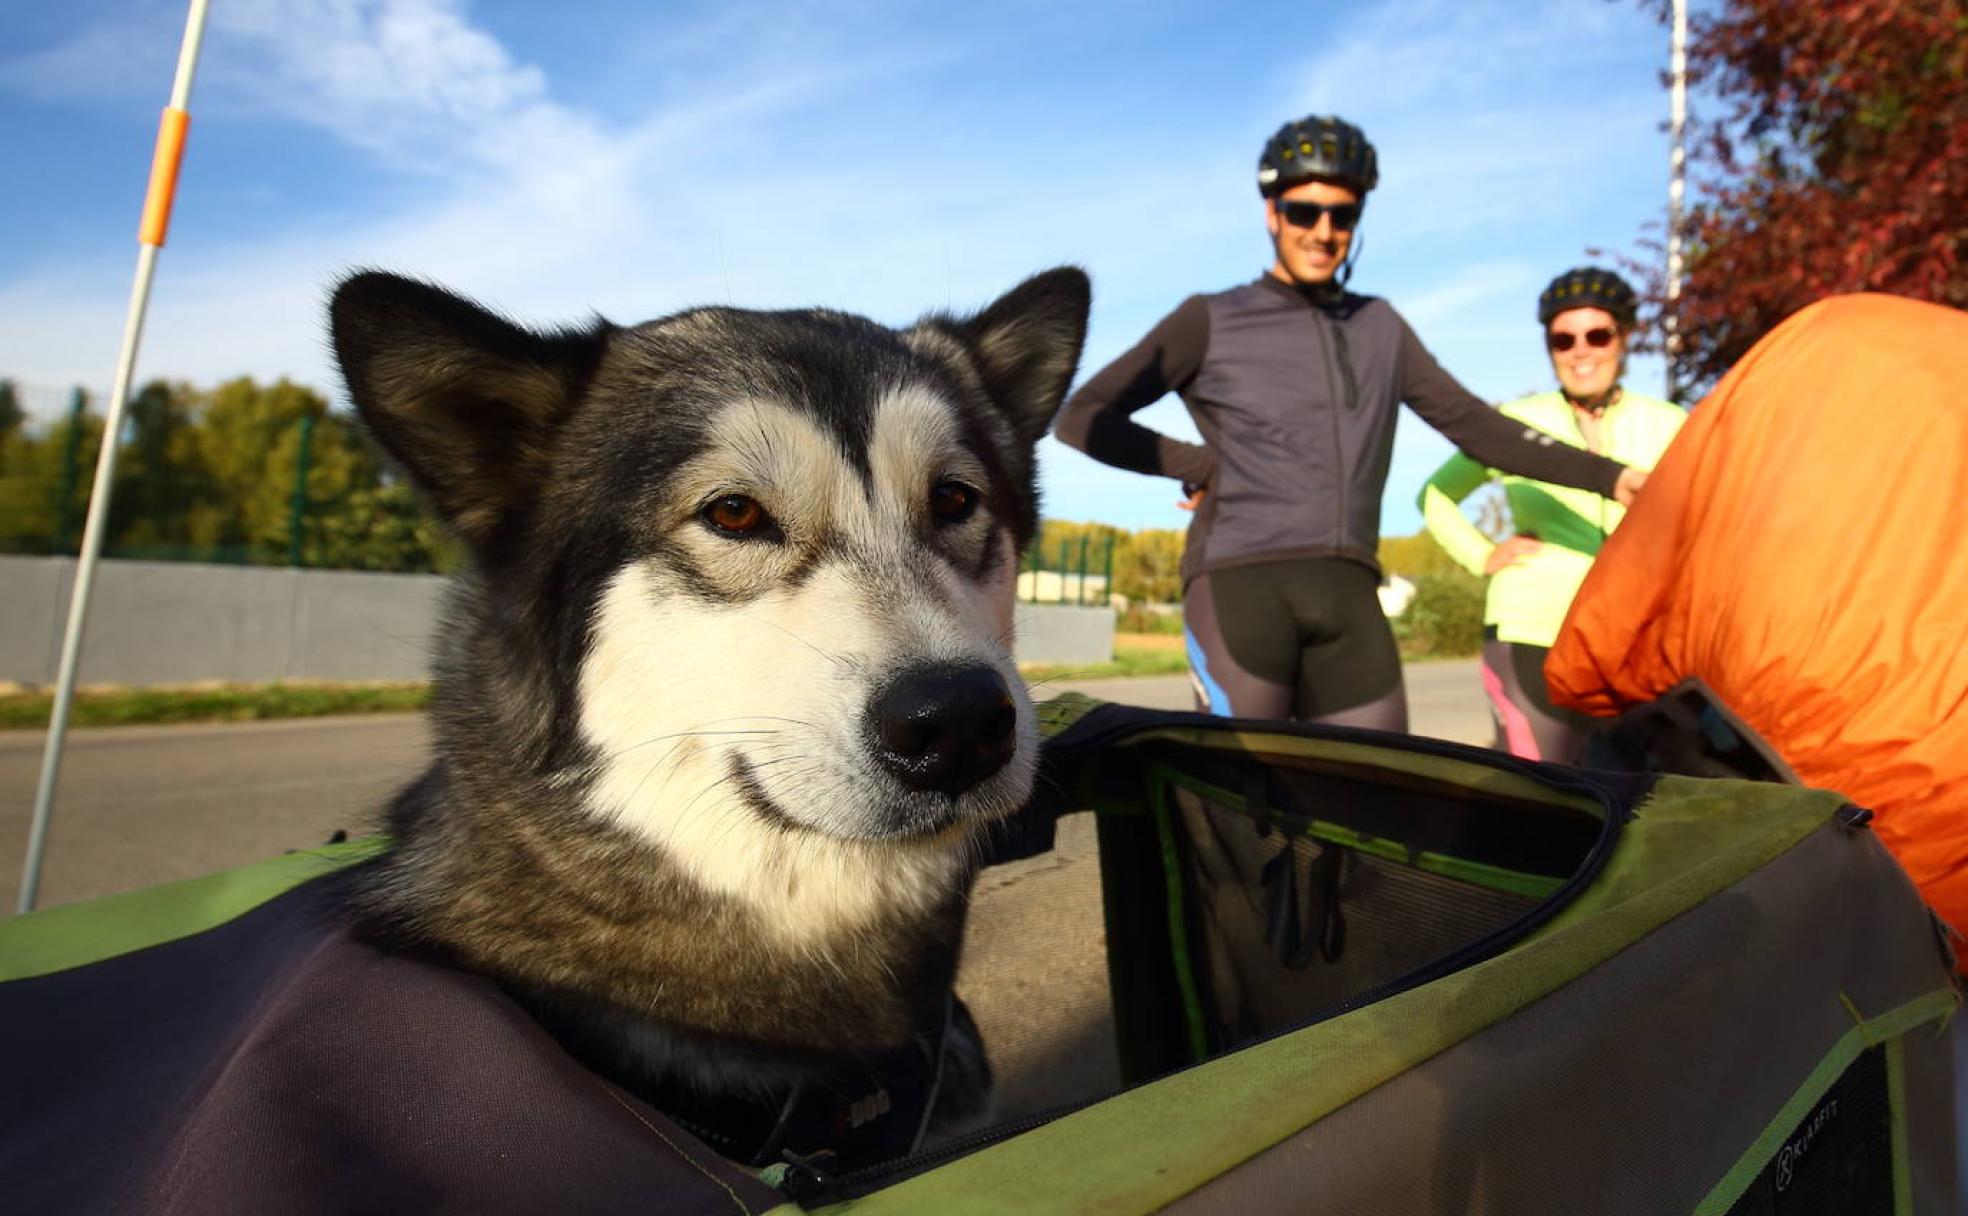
(1082, 673)
(673, 758)
(835, 659)
(724, 780)
(702, 731)
(685, 734)
(760, 718)
(764, 737)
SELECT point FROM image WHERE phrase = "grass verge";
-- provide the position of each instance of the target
(1134, 655)
(265, 702)
(1129, 660)
(28, 710)
(221, 703)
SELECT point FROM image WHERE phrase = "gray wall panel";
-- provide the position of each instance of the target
(33, 597)
(182, 623)
(353, 626)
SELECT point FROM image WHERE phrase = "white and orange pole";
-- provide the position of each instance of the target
(150, 238)
(1677, 167)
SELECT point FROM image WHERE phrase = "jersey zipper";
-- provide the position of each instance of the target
(1326, 346)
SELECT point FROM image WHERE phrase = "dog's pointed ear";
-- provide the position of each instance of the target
(1026, 345)
(466, 401)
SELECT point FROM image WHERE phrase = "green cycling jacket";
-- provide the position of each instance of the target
(1527, 601)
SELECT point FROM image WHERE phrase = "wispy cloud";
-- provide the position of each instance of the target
(731, 189)
(412, 81)
(1488, 115)
(1473, 289)
(868, 157)
(1417, 55)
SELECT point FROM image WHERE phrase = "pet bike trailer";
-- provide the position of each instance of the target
(1349, 973)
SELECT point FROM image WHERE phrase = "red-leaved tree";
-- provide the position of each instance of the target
(1836, 161)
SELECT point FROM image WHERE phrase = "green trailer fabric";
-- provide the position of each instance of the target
(59, 938)
(1652, 1047)
(1350, 973)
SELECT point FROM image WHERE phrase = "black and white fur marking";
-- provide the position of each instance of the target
(696, 797)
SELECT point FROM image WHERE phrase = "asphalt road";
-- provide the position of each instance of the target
(143, 805)
(139, 805)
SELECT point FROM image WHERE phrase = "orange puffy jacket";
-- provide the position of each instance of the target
(1803, 549)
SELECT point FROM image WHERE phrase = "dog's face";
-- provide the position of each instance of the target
(753, 572)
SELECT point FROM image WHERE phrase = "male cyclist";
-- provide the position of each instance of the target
(1294, 382)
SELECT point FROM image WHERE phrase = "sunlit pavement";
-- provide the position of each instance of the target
(147, 804)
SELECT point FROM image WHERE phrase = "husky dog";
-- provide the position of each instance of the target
(726, 695)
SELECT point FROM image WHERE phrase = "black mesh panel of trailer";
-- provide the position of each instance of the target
(1292, 927)
(1838, 1158)
(1266, 892)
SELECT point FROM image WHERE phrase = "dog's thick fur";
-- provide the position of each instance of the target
(653, 813)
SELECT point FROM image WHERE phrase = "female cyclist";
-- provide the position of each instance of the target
(1587, 315)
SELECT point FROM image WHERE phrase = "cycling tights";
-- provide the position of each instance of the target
(1301, 639)
(1527, 723)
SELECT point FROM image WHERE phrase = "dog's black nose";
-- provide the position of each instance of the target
(944, 728)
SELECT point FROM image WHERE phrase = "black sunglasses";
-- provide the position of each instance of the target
(1300, 214)
(1593, 337)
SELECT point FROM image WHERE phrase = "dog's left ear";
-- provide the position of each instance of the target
(1026, 346)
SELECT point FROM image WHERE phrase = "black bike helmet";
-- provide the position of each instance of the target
(1589, 287)
(1316, 146)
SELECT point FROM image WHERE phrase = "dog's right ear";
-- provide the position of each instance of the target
(466, 401)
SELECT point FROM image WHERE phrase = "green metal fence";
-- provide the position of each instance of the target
(1069, 571)
(249, 474)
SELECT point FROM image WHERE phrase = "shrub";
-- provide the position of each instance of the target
(1148, 565)
(1412, 557)
(1445, 618)
(1148, 618)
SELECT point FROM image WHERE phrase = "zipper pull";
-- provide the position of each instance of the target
(801, 1179)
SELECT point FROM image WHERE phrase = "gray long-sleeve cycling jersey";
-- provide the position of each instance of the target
(1296, 402)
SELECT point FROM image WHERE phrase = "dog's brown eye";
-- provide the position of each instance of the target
(737, 515)
(951, 502)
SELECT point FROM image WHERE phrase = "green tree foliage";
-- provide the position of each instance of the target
(1415, 557)
(1060, 541)
(44, 483)
(384, 527)
(1833, 157)
(1148, 566)
(1445, 618)
(162, 485)
(11, 414)
(352, 512)
(217, 475)
(252, 442)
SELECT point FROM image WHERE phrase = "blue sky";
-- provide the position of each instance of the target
(633, 158)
